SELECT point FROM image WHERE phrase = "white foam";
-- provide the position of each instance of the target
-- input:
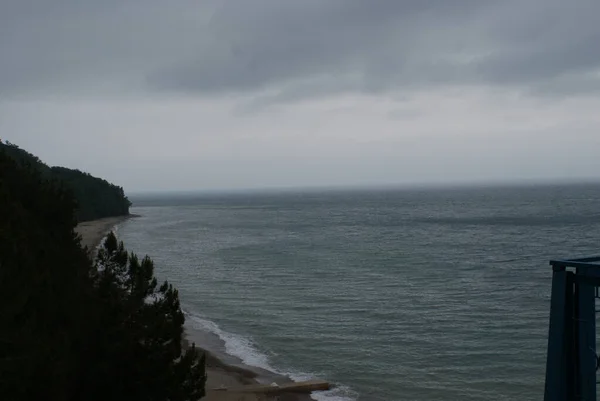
(244, 349)
(339, 393)
(238, 346)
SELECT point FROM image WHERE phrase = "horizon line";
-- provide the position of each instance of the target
(373, 187)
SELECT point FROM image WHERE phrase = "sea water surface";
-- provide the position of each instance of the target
(390, 294)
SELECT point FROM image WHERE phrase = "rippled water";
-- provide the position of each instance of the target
(393, 295)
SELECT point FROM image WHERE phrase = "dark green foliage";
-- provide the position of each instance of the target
(70, 330)
(151, 329)
(96, 198)
(45, 286)
(24, 158)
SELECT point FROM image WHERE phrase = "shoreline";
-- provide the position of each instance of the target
(225, 370)
(92, 232)
(219, 373)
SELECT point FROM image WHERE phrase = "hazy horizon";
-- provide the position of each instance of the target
(363, 188)
(236, 95)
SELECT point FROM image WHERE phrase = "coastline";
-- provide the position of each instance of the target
(92, 232)
(219, 373)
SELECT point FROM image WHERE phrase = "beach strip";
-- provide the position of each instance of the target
(92, 232)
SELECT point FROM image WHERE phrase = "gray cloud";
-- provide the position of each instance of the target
(285, 50)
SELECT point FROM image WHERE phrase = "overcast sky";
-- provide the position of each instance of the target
(195, 95)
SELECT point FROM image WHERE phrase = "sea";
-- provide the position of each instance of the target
(390, 294)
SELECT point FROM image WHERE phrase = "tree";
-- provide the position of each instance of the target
(45, 285)
(147, 326)
(74, 330)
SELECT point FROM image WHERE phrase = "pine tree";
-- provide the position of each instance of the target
(150, 322)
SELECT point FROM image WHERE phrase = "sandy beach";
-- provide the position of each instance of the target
(92, 232)
(220, 374)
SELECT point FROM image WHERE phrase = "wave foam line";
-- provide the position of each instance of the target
(244, 349)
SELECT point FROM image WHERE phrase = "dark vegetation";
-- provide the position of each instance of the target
(74, 329)
(95, 198)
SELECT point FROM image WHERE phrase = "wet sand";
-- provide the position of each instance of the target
(223, 375)
(220, 374)
(92, 232)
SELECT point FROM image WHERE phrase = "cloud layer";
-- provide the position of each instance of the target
(197, 94)
(298, 49)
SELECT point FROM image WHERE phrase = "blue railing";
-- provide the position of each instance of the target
(572, 361)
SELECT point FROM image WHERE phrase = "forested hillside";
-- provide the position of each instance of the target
(95, 198)
(73, 329)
